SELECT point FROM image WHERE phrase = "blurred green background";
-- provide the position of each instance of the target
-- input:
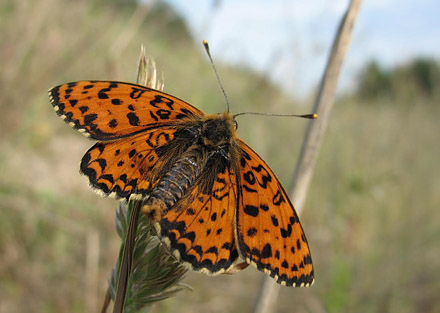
(372, 214)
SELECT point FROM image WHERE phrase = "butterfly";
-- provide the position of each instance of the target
(212, 199)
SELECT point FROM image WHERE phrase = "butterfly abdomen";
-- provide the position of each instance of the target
(174, 184)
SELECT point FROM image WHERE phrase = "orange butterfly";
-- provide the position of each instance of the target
(212, 199)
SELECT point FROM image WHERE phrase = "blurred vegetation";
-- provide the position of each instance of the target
(419, 78)
(372, 213)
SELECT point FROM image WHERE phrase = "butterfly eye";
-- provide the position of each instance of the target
(236, 124)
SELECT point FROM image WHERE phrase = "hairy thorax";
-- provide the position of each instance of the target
(207, 151)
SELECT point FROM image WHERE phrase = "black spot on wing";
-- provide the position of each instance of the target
(89, 118)
(266, 252)
(252, 232)
(212, 250)
(113, 123)
(133, 119)
(83, 109)
(158, 99)
(136, 93)
(132, 153)
(163, 114)
(285, 233)
(214, 217)
(251, 210)
(274, 221)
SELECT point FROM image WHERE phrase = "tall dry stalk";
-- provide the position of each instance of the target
(314, 135)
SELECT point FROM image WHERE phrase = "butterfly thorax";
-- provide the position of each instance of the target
(208, 148)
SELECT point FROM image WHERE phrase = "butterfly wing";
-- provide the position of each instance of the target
(131, 121)
(107, 110)
(199, 231)
(269, 234)
(126, 167)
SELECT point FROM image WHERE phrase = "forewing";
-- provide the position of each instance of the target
(126, 167)
(269, 233)
(199, 231)
(106, 110)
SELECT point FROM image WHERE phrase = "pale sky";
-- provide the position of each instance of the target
(290, 39)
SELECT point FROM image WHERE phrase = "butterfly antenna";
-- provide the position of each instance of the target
(205, 44)
(309, 116)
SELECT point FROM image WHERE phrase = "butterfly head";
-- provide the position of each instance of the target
(218, 130)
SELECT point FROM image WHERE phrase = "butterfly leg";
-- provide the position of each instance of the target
(153, 208)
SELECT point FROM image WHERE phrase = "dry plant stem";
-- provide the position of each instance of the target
(323, 106)
(315, 132)
(107, 300)
(127, 257)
